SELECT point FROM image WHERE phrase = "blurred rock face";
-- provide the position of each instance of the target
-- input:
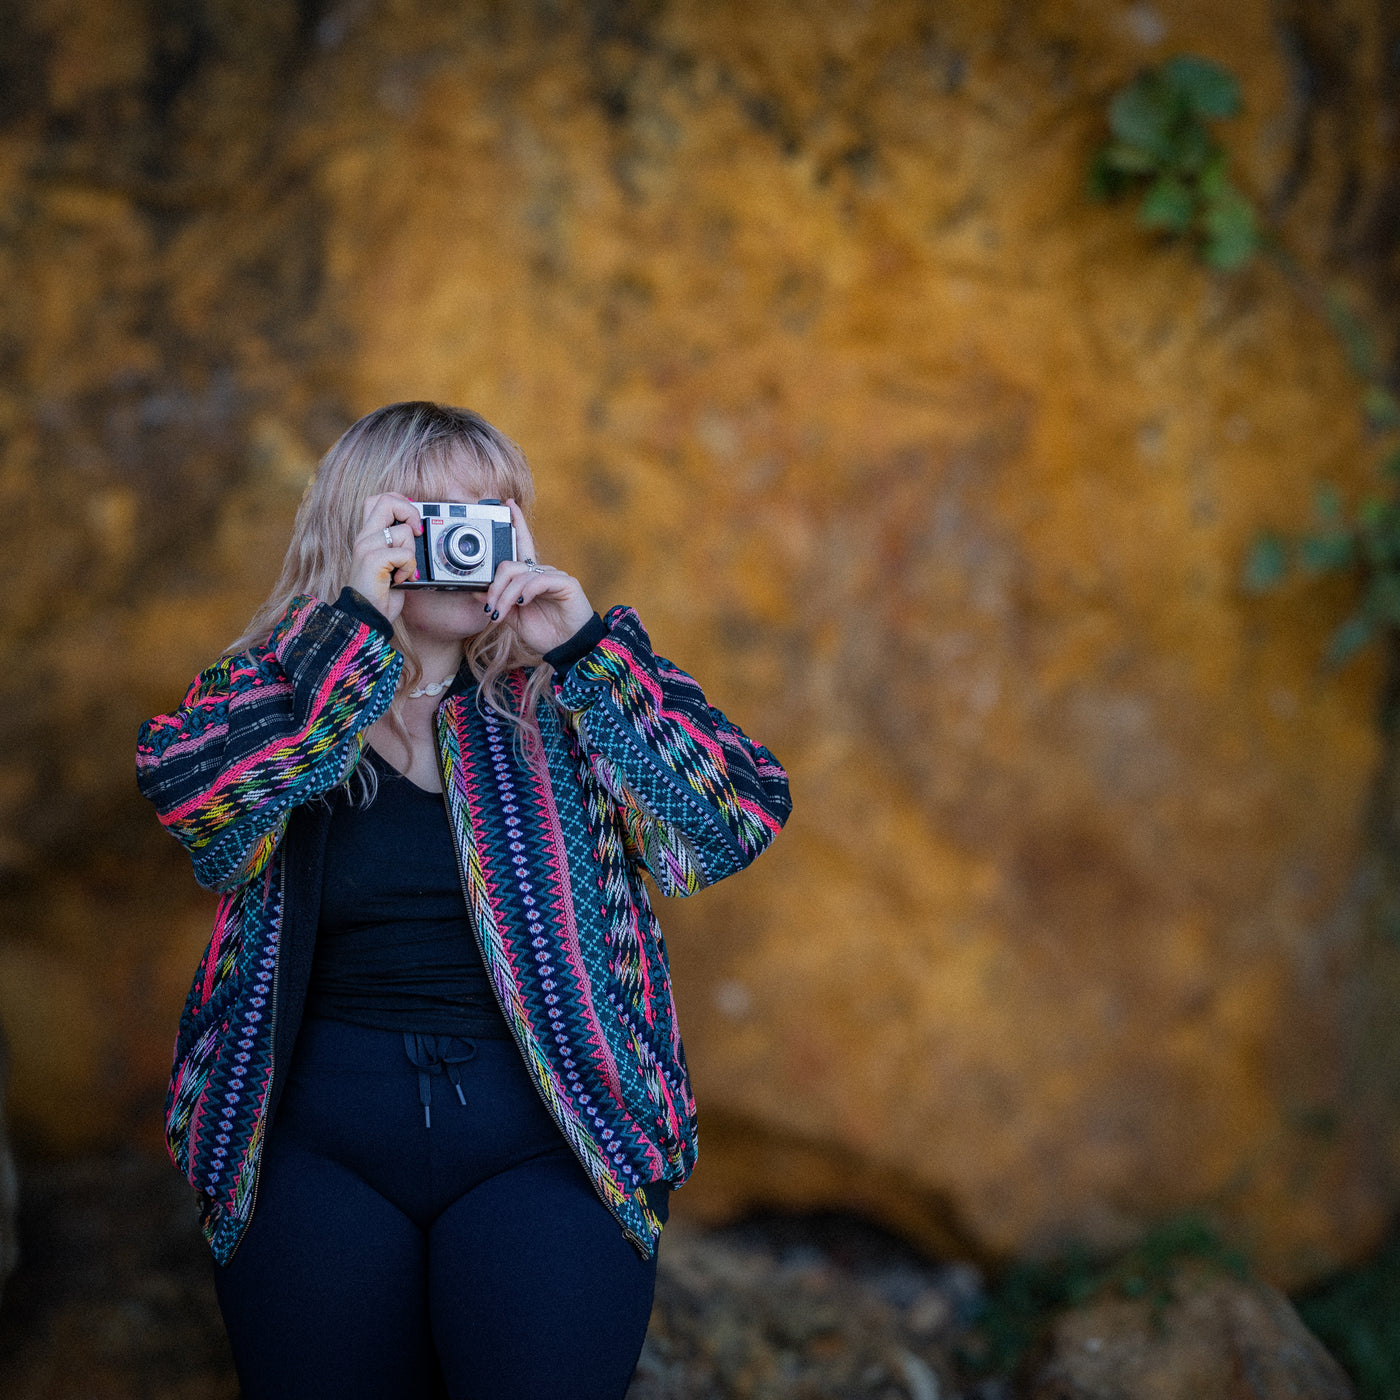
(938, 476)
(1205, 1337)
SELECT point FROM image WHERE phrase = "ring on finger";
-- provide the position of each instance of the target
(533, 568)
(388, 538)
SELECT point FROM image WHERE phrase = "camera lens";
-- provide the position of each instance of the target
(463, 548)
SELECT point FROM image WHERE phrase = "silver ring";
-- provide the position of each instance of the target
(388, 538)
(532, 568)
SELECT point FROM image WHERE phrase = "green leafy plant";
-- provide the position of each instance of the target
(1163, 148)
(1162, 145)
(1028, 1296)
(1364, 541)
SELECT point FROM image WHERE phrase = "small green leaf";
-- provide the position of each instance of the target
(1206, 88)
(1370, 543)
(1192, 148)
(1355, 338)
(1382, 407)
(1101, 180)
(1327, 504)
(1266, 565)
(1386, 551)
(1214, 181)
(1232, 235)
(1349, 638)
(1141, 115)
(1383, 520)
(1371, 514)
(1326, 554)
(1131, 160)
(1383, 599)
(1105, 181)
(1168, 204)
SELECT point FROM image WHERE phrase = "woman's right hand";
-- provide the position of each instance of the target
(377, 559)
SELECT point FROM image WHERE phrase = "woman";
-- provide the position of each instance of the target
(428, 814)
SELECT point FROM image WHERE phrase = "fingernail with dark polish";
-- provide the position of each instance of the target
(487, 608)
(519, 600)
(495, 615)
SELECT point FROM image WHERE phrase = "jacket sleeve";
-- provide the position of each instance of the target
(699, 799)
(264, 730)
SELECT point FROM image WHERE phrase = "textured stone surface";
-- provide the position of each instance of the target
(938, 475)
(1216, 1338)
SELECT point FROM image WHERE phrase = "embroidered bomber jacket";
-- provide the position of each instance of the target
(638, 772)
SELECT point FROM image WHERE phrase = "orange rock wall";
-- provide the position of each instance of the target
(937, 474)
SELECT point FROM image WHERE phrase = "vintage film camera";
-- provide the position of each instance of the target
(461, 544)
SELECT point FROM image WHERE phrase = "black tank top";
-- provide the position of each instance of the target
(395, 948)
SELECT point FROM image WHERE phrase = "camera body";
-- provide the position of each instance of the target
(461, 544)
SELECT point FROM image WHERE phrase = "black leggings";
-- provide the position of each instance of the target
(394, 1260)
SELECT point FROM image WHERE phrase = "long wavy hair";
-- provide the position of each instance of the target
(424, 451)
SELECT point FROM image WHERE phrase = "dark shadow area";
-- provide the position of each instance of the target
(1356, 1313)
(113, 1298)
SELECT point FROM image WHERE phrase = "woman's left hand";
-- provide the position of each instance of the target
(543, 606)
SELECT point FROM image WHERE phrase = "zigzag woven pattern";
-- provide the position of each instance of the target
(698, 798)
(217, 1094)
(261, 731)
(639, 772)
(639, 983)
(545, 978)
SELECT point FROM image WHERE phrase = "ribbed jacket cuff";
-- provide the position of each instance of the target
(362, 610)
(578, 646)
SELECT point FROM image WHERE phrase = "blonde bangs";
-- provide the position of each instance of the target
(425, 451)
(445, 471)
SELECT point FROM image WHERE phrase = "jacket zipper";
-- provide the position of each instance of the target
(272, 1050)
(481, 948)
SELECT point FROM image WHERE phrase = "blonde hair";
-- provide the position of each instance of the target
(423, 451)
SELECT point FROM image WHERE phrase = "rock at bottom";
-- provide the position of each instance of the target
(1216, 1339)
